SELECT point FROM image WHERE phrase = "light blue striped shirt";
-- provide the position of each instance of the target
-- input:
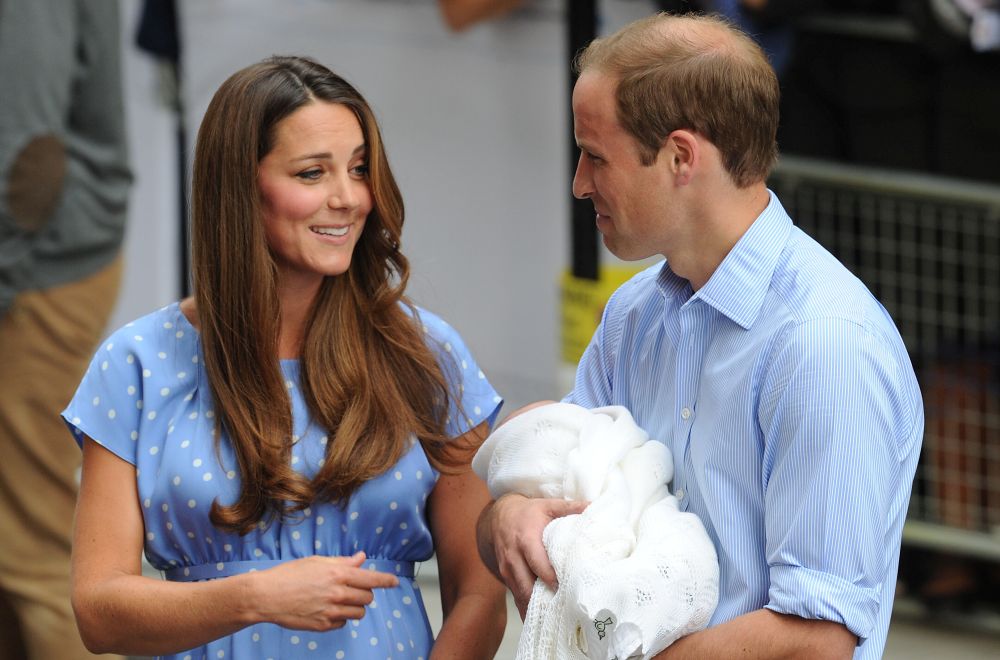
(793, 413)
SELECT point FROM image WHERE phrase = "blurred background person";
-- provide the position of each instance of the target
(63, 199)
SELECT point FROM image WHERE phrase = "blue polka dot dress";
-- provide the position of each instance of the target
(146, 398)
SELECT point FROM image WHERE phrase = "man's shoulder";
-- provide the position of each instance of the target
(810, 283)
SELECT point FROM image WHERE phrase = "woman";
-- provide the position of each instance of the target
(289, 441)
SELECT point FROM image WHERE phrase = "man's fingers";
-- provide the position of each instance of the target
(560, 508)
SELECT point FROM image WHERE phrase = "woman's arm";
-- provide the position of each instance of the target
(473, 601)
(119, 610)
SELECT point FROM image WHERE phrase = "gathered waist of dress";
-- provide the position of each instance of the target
(403, 569)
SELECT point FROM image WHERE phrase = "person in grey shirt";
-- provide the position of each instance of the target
(64, 182)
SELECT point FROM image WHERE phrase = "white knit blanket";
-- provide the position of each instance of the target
(635, 573)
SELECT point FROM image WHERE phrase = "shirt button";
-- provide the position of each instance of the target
(680, 493)
(685, 413)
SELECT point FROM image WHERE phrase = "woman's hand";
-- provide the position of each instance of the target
(317, 593)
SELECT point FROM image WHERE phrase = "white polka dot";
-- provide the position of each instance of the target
(420, 474)
(404, 542)
(294, 639)
(104, 366)
(190, 535)
(295, 460)
(255, 637)
(221, 654)
(146, 503)
(402, 525)
(399, 646)
(138, 404)
(373, 641)
(150, 536)
(378, 530)
(185, 444)
(151, 416)
(134, 435)
(407, 600)
(177, 481)
(112, 414)
(130, 358)
(477, 410)
(131, 390)
(179, 334)
(324, 440)
(317, 544)
(398, 475)
(210, 414)
(194, 359)
(388, 624)
(161, 355)
(168, 325)
(447, 347)
(340, 655)
(257, 552)
(181, 375)
(207, 476)
(192, 504)
(146, 373)
(193, 415)
(497, 399)
(481, 374)
(164, 507)
(196, 462)
(220, 566)
(109, 347)
(320, 520)
(354, 515)
(397, 614)
(231, 474)
(164, 391)
(296, 535)
(97, 401)
(354, 634)
(187, 657)
(393, 506)
(170, 525)
(465, 365)
(138, 337)
(308, 511)
(189, 396)
(312, 646)
(289, 384)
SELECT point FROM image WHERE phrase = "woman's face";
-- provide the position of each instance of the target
(315, 192)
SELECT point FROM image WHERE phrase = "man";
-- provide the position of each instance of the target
(63, 190)
(779, 383)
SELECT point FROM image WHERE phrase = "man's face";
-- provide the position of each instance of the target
(628, 197)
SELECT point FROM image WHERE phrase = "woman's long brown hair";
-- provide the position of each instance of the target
(367, 373)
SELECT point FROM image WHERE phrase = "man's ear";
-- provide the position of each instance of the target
(683, 155)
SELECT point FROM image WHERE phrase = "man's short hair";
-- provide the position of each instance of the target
(693, 72)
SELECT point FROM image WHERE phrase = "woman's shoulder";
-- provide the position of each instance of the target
(433, 326)
(165, 330)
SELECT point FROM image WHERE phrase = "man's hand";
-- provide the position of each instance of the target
(509, 535)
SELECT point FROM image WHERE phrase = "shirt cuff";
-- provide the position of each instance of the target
(812, 594)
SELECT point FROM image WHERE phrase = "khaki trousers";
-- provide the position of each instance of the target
(47, 339)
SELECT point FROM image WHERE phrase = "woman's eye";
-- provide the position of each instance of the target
(310, 175)
(361, 170)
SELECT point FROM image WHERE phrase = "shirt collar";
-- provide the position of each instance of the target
(738, 286)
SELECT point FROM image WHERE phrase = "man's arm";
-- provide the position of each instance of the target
(765, 634)
(509, 537)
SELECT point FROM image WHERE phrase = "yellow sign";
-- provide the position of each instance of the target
(582, 305)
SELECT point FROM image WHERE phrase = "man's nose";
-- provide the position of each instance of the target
(583, 180)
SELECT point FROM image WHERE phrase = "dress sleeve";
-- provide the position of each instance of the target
(107, 406)
(840, 419)
(473, 398)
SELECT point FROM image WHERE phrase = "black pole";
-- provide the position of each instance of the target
(582, 20)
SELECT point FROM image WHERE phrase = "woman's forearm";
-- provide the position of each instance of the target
(136, 615)
(472, 629)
